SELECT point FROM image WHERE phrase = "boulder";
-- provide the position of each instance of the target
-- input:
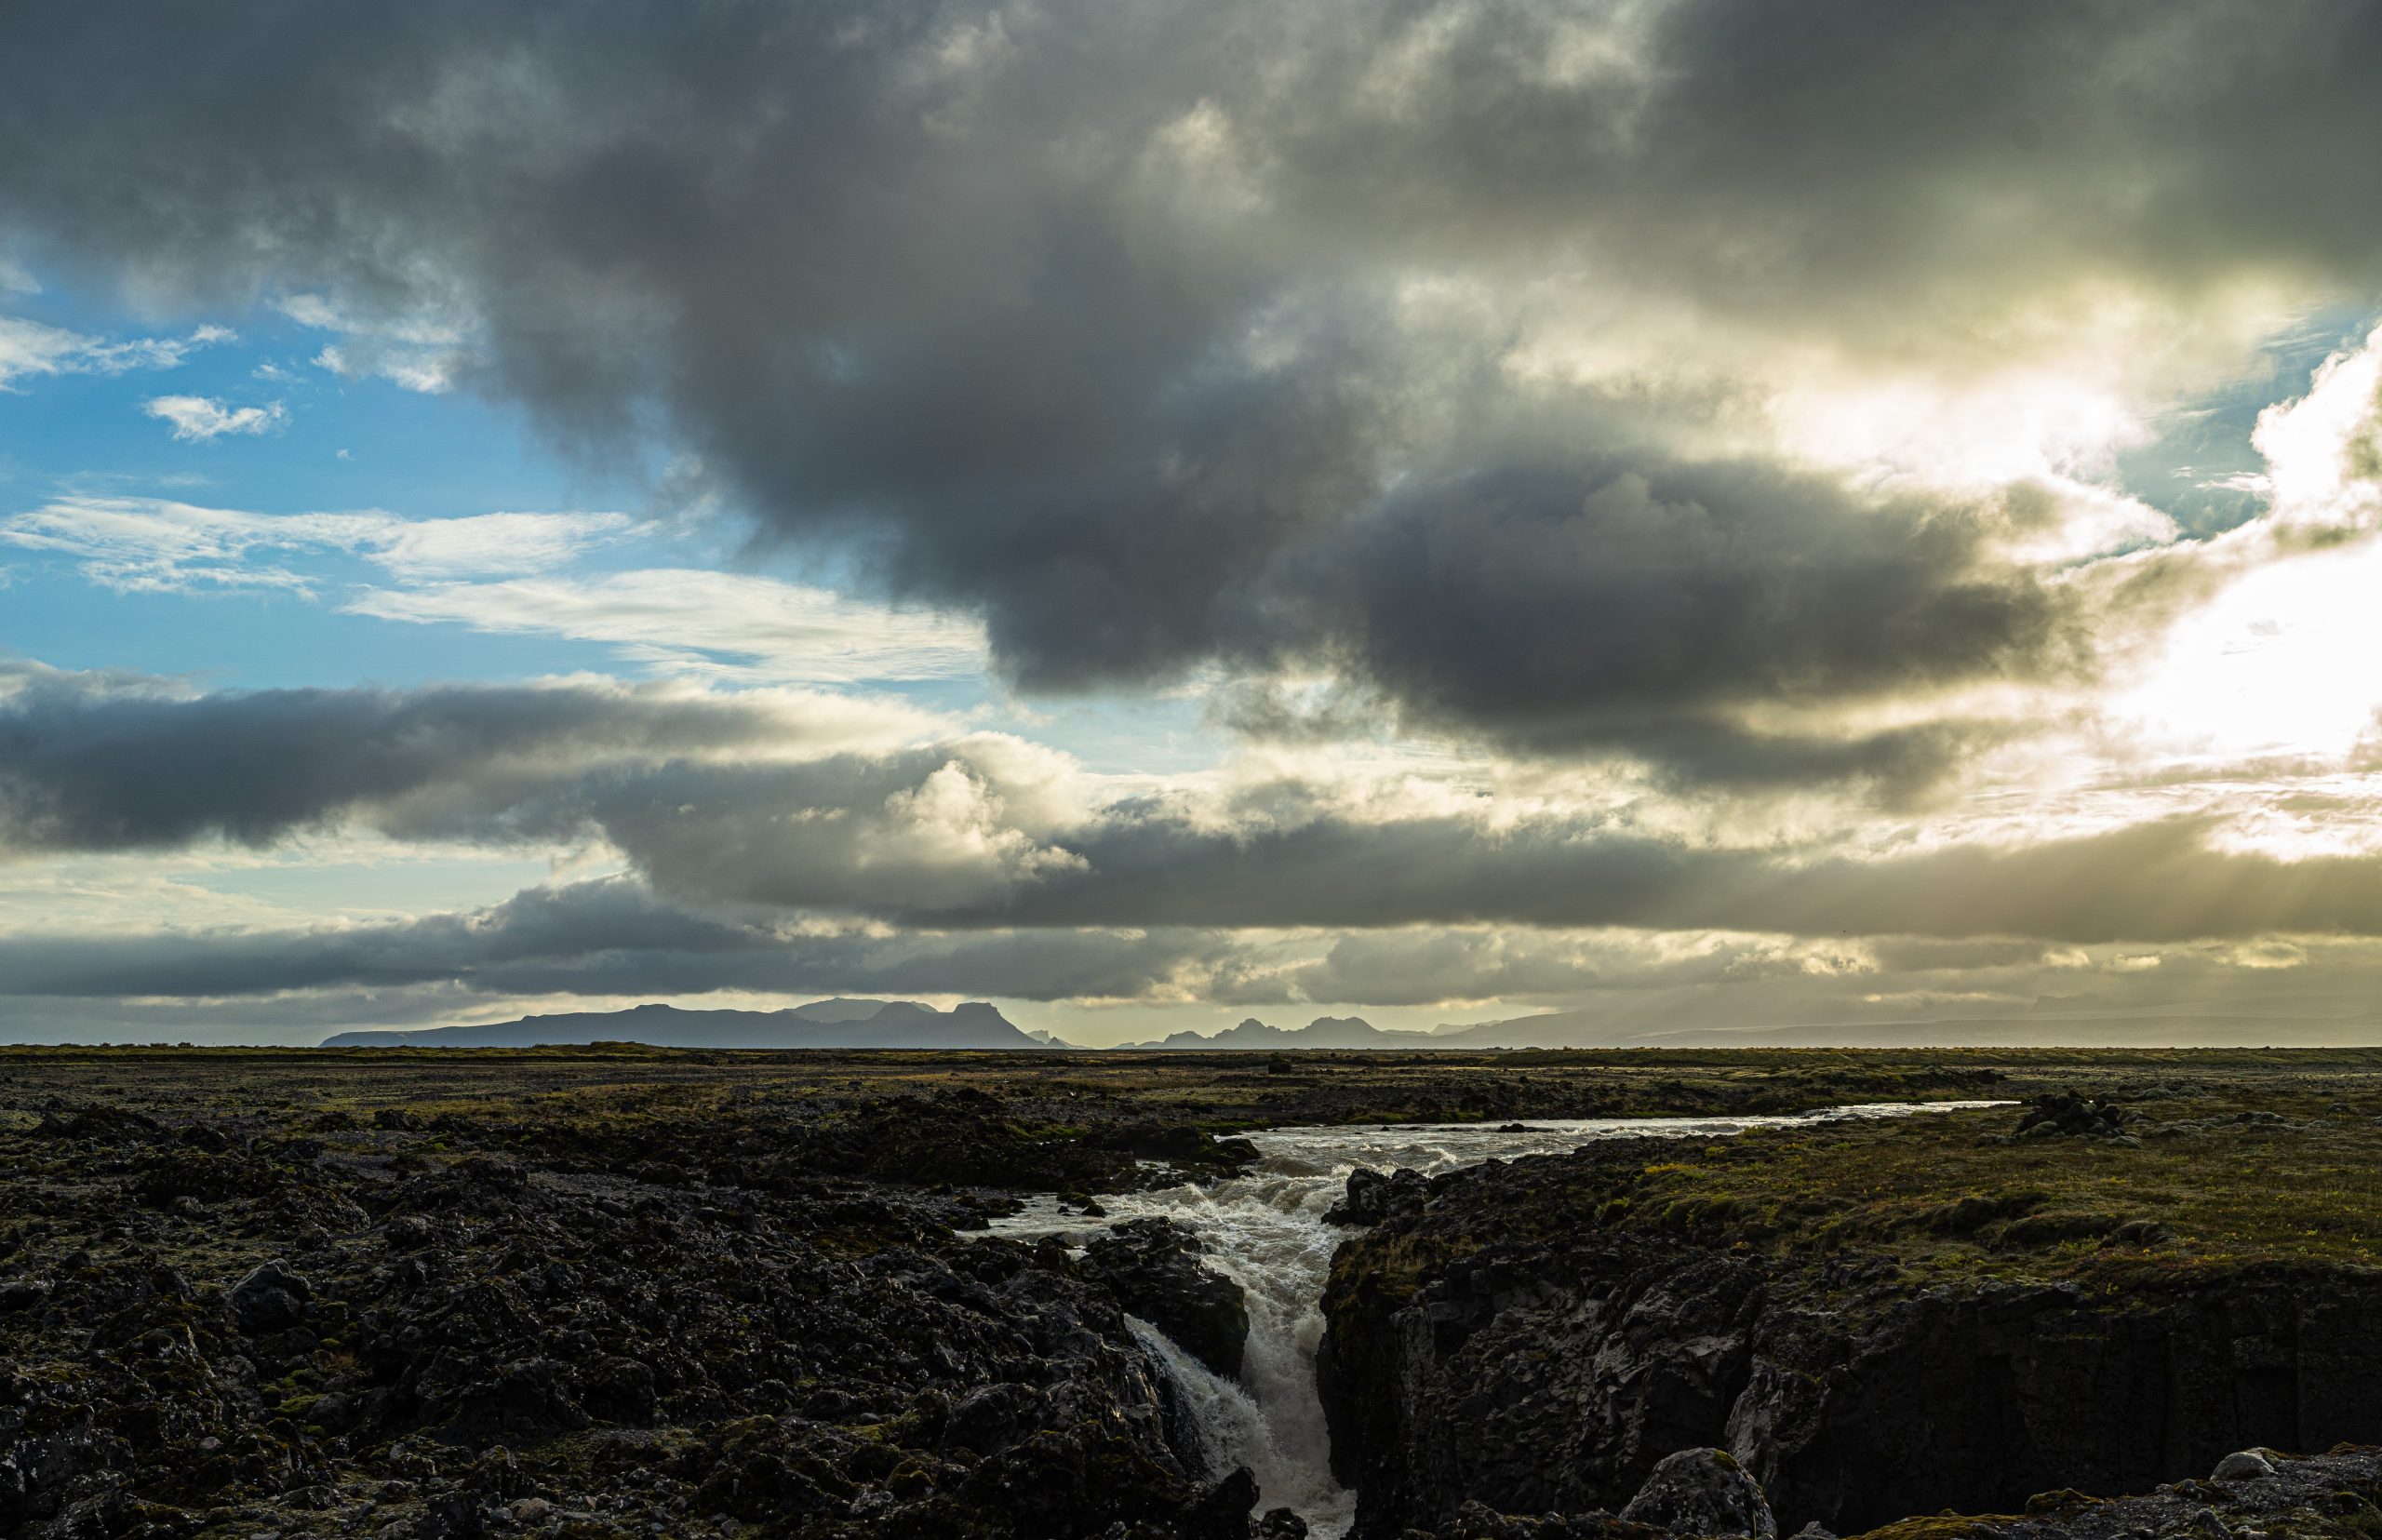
(270, 1298)
(1154, 1269)
(2243, 1465)
(23, 1293)
(1702, 1492)
(1374, 1195)
(2073, 1117)
(1221, 1511)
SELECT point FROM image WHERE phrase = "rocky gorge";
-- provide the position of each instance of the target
(1536, 1336)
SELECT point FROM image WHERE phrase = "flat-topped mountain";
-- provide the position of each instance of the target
(1322, 1032)
(821, 1024)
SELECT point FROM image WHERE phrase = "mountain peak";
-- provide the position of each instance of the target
(1322, 1032)
(821, 1024)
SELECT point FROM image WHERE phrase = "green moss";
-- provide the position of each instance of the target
(2064, 1500)
(1943, 1526)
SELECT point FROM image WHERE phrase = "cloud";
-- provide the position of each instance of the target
(197, 419)
(1168, 340)
(1668, 413)
(94, 764)
(421, 353)
(696, 622)
(155, 545)
(684, 621)
(604, 938)
(29, 348)
(817, 805)
(599, 945)
(423, 550)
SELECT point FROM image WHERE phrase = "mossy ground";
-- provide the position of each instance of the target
(2232, 1160)
(1219, 1091)
(2211, 1184)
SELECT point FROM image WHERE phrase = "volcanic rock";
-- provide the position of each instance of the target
(269, 1299)
(1702, 1492)
(1154, 1269)
(1373, 1196)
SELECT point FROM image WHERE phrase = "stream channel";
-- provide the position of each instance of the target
(1265, 1232)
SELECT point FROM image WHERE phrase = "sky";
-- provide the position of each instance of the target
(1693, 515)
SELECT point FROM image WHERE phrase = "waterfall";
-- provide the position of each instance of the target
(1265, 1232)
(1230, 1428)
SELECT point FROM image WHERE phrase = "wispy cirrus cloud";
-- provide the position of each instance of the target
(503, 573)
(691, 621)
(157, 545)
(30, 349)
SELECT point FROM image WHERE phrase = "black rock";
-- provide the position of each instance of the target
(1154, 1269)
(270, 1298)
(23, 1294)
(1373, 1196)
(528, 1399)
(2075, 1116)
(1221, 1511)
(1702, 1492)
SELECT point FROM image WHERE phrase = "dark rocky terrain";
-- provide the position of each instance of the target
(2252, 1494)
(2099, 1295)
(459, 1320)
(637, 1292)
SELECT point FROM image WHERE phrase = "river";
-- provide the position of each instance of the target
(1265, 1231)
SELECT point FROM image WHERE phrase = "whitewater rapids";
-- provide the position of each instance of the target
(1265, 1232)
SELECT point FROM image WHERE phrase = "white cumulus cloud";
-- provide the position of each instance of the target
(197, 419)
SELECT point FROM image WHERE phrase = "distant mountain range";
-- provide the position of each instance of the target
(1596, 1029)
(823, 1024)
(1322, 1032)
(904, 1023)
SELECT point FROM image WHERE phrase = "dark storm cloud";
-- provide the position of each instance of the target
(1557, 604)
(840, 836)
(1426, 966)
(972, 834)
(88, 763)
(1096, 318)
(614, 937)
(1859, 163)
(748, 836)
(2159, 881)
(602, 938)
